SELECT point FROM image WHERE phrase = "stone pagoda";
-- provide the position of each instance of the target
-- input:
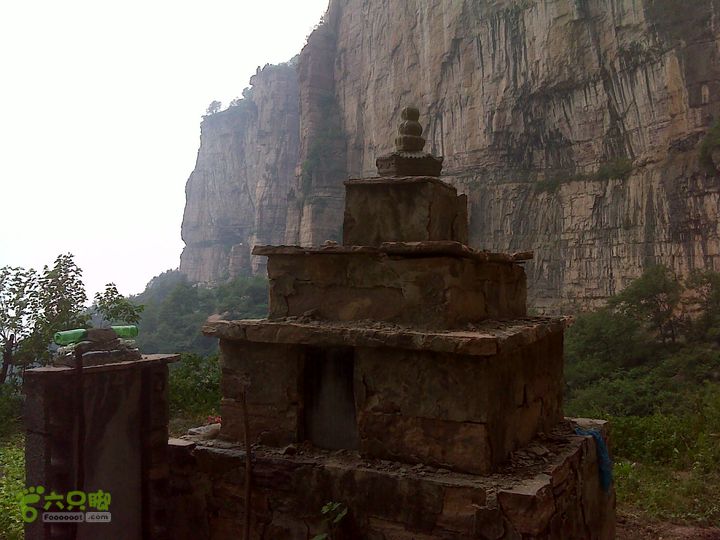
(399, 375)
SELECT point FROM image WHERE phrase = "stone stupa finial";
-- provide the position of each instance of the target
(408, 159)
(410, 131)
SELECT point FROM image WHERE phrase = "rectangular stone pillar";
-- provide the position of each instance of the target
(100, 428)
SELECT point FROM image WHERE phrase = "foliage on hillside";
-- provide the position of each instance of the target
(176, 309)
(12, 482)
(650, 362)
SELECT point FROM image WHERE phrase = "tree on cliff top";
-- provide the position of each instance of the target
(214, 107)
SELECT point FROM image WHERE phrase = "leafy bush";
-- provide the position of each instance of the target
(655, 374)
(619, 168)
(195, 385)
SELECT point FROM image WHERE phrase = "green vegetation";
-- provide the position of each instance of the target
(333, 514)
(654, 372)
(213, 108)
(710, 142)
(115, 308)
(619, 168)
(325, 152)
(10, 408)
(194, 392)
(33, 306)
(12, 481)
(176, 309)
(195, 385)
(636, 54)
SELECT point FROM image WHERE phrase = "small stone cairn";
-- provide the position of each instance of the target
(99, 346)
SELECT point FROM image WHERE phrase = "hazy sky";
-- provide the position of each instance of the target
(100, 109)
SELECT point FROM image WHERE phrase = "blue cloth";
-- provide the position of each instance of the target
(605, 464)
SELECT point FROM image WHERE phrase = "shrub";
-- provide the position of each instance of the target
(195, 385)
(619, 168)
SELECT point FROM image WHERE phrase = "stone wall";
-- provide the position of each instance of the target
(403, 209)
(461, 412)
(428, 291)
(105, 428)
(550, 493)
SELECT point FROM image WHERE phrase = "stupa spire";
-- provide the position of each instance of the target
(408, 159)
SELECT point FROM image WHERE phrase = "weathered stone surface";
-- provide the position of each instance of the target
(529, 506)
(386, 500)
(433, 248)
(270, 374)
(237, 195)
(405, 209)
(460, 446)
(458, 411)
(123, 433)
(527, 102)
(453, 411)
(438, 292)
(483, 339)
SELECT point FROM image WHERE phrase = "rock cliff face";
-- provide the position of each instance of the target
(573, 126)
(237, 195)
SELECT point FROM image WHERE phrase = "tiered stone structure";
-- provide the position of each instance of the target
(399, 374)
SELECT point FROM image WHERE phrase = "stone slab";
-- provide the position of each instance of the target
(426, 249)
(483, 339)
(121, 412)
(144, 361)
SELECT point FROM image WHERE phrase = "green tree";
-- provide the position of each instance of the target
(653, 299)
(60, 305)
(18, 295)
(214, 107)
(115, 308)
(706, 286)
(175, 310)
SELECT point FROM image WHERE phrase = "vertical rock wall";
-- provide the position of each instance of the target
(237, 196)
(572, 125)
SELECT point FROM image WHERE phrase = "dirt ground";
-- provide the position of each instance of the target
(631, 528)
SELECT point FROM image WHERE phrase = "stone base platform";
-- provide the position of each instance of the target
(549, 490)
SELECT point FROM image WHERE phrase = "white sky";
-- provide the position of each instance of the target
(100, 109)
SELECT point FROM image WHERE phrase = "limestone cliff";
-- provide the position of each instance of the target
(237, 195)
(573, 126)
